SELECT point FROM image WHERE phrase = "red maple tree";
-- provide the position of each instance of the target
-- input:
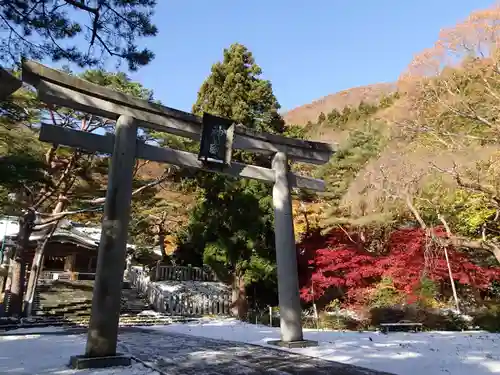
(340, 260)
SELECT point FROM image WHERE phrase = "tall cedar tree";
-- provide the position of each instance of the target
(80, 32)
(231, 228)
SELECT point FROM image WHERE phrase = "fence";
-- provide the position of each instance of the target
(184, 305)
(184, 273)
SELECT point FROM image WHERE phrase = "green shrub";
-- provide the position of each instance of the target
(427, 293)
(333, 305)
(262, 317)
(489, 319)
(441, 321)
(384, 294)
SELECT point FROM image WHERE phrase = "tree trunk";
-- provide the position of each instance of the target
(17, 265)
(495, 250)
(239, 303)
(452, 281)
(4, 269)
(6, 289)
(162, 247)
(163, 259)
(36, 265)
(36, 268)
(15, 292)
(450, 273)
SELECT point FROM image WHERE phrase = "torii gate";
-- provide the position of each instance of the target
(54, 87)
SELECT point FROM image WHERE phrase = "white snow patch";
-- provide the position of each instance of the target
(344, 313)
(9, 226)
(209, 288)
(93, 232)
(150, 313)
(195, 290)
(50, 354)
(432, 353)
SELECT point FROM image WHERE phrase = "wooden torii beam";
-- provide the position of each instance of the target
(104, 144)
(58, 88)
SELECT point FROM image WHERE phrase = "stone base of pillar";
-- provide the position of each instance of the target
(293, 344)
(80, 362)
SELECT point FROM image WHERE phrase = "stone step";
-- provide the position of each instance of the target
(81, 321)
(138, 304)
(123, 318)
(86, 310)
(61, 302)
(62, 309)
(128, 304)
(66, 303)
(85, 322)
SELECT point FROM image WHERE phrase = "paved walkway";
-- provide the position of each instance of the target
(176, 354)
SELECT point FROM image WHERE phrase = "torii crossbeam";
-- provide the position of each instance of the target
(58, 88)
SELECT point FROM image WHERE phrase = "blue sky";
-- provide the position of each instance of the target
(307, 49)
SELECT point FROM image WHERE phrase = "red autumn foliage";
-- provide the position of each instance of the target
(340, 260)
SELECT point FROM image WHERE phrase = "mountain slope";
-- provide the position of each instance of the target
(351, 97)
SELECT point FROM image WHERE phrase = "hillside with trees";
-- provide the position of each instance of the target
(347, 98)
(412, 194)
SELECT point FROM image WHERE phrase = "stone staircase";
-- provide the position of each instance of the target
(68, 304)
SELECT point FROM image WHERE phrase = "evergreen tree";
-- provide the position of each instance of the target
(235, 90)
(51, 28)
(346, 112)
(231, 228)
(321, 118)
(333, 116)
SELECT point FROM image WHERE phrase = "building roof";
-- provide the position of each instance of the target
(66, 232)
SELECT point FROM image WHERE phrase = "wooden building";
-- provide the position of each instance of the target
(71, 250)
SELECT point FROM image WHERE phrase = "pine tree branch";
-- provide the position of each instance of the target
(82, 6)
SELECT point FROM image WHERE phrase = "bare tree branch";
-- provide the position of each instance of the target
(470, 185)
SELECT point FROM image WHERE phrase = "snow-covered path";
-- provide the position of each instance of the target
(432, 353)
(195, 348)
(170, 353)
(179, 354)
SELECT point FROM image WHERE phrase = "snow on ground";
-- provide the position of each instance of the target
(197, 291)
(49, 354)
(209, 288)
(151, 313)
(432, 353)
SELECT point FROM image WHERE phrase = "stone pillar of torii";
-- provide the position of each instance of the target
(218, 137)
